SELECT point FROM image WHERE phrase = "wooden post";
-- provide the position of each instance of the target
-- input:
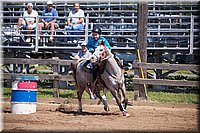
(140, 90)
(55, 82)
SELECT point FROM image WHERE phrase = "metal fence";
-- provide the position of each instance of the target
(172, 27)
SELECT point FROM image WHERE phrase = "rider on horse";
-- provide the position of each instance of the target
(92, 44)
(95, 39)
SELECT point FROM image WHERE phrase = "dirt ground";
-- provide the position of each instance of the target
(60, 116)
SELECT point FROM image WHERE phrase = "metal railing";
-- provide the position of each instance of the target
(164, 33)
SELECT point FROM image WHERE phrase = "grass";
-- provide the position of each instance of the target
(162, 97)
(177, 72)
(174, 97)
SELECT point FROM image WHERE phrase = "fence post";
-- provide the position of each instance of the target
(55, 81)
(142, 45)
(136, 86)
(86, 28)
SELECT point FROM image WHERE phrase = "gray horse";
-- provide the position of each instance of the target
(112, 75)
(83, 81)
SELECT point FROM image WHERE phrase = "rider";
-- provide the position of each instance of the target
(96, 37)
(92, 45)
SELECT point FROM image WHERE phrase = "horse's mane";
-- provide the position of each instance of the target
(110, 54)
(107, 51)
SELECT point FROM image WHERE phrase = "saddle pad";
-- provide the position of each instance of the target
(83, 66)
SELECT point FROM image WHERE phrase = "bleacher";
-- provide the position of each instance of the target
(172, 26)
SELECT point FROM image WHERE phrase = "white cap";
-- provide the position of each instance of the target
(49, 3)
(83, 44)
(29, 4)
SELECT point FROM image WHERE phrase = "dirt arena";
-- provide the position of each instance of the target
(52, 116)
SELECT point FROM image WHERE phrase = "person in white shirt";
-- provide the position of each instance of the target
(75, 20)
(28, 21)
(83, 53)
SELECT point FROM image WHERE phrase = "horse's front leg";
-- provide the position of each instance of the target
(122, 108)
(123, 92)
(102, 98)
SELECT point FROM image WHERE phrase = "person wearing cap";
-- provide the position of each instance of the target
(83, 53)
(75, 20)
(92, 45)
(50, 22)
(28, 21)
(95, 39)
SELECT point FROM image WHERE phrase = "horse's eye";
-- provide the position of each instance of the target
(101, 50)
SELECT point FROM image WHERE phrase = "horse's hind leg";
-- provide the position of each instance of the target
(79, 94)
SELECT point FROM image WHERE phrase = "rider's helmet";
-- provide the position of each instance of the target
(97, 30)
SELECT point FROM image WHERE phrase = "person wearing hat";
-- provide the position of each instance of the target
(95, 39)
(92, 45)
(49, 22)
(28, 21)
(83, 53)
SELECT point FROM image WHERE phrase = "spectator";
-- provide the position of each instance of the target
(50, 21)
(75, 20)
(28, 21)
(96, 37)
(83, 54)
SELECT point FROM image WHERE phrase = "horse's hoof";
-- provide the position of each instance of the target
(125, 113)
(106, 109)
(79, 111)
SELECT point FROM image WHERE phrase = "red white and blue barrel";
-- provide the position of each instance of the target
(24, 94)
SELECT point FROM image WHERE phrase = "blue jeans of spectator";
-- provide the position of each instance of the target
(75, 28)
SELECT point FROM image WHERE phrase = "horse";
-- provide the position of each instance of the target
(108, 78)
(83, 81)
(112, 75)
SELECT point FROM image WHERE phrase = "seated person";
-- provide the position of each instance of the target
(51, 15)
(75, 20)
(83, 54)
(28, 21)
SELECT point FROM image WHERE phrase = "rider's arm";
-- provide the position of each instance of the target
(106, 43)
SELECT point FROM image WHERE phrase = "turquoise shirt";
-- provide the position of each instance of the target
(92, 44)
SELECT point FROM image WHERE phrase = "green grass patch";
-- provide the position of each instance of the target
(162, 97)
(165, 97)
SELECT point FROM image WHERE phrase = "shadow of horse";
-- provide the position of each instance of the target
(85, 113)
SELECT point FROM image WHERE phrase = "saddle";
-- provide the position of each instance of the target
(87, 66)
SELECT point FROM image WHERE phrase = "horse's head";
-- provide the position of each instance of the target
(101, 53)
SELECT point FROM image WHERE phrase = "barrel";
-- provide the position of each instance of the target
(24, 94)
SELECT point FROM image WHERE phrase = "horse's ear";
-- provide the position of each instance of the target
(102, 43)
